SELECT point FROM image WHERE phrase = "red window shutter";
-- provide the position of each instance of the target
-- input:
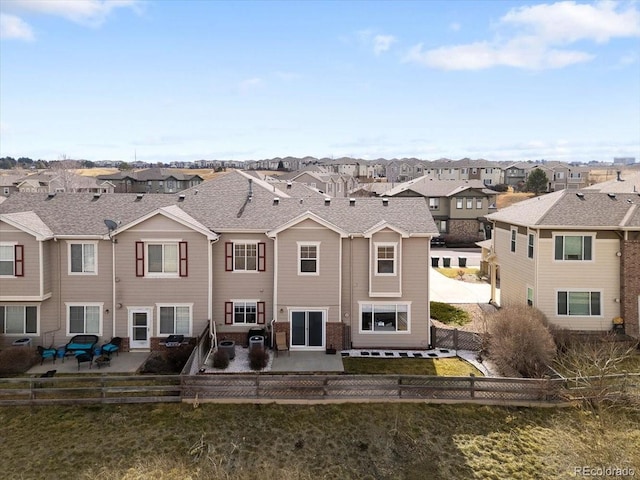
(19, 260)
(262, 251)
(228, 256)
(184, 259)
(139, 259)
(228, 313)
(261, 312)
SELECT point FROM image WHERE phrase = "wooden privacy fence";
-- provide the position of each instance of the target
(455, 339)
(368, 387)
(90, 389)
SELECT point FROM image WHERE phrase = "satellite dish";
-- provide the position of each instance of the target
(111, 225)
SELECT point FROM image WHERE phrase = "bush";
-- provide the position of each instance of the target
(258, 358)
(448, 314)
(500, 187)
(16, 360)
(220, 359)
(171, 361)
(519, 341)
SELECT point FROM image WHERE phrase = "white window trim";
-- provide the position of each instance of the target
(395, 258)
(164, 242)
(531, 236)
(513, 240)
(469, 203)
(579, 290)
(436, 203)
(24, 334)
(245, 301)
(573, 234)
(10, 244)
(95, 259)
(100, 306)
(373, 331)
(159, 305)
(245, 242)
(309, 244)
(533, 301)
(479, 203)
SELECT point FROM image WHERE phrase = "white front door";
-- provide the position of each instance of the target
(307, 329)
(140, 319)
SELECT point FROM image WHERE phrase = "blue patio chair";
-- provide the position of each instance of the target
(46, 353)
(112, 346)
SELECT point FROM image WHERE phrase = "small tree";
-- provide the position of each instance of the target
(519, 342)
(537, 181)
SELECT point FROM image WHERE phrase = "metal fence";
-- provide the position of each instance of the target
(455, 339)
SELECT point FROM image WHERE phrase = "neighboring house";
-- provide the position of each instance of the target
(560, 175)
(458, 208)
(489, 173)
(516, 174)
(324, 180)
(575, 255)
(398, 171)
(61, 181)
(9, 184)
(234, 253)
(152, 180)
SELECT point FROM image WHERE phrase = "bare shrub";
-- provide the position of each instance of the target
(220, 359)
(258, 358)
(519, 341)
(16, 360)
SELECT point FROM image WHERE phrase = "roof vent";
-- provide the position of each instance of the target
(51, 195)
(139, 196)
(289, 185)
(580, 195)
(181, 198)
(96, 196)
(276, 200)
(352, 201)
(612, 196)
(385, 201)
(327, 201)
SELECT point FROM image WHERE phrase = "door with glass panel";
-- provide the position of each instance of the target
(139, 327)
(307, 329)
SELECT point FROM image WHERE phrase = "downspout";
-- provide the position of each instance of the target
(350, 291)
(113, 288)
(212, 327)
(275, 287)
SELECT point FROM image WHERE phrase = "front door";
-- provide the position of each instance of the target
(307, 329)
(139, 327)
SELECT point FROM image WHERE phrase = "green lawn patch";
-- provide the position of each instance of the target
(448, 314)
(452, 367)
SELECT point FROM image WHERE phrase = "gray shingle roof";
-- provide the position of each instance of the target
(220, 204)
(567, 208)
(429, 187)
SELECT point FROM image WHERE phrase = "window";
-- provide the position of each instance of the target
(84, 319)
(573, 247)
(478, 203)
(487, 181)
(11, 260)
(161, 259)
(514, 234)
(434, 203)
(174, 320)
(530, 296)
(385, 258)
(469, 203)
(579, 303)
(18, 320)
(443, 226)
(244, 312)
(245, 256)
(383, 318)
(308, 257)
(458, 202)
(530, 245)
(82, 258)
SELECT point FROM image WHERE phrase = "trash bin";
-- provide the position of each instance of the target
(22, 342)
(435, 262)
(446, 262)
(229, 347)
(256, 342)
(462, 262)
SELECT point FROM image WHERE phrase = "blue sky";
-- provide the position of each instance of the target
(185, 80)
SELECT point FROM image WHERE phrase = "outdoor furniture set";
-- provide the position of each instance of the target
(83, 348)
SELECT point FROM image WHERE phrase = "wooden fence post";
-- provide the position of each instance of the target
(434, 336)
(472, 383)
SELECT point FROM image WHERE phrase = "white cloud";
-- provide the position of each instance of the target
(382, 43)
(539, 42)
(13, 27)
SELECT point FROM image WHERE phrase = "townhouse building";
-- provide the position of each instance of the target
(152, 180)
(235, 253)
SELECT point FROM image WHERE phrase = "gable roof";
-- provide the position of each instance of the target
(428, 187)
(28, 222)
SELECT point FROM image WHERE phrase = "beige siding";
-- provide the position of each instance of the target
(147, 291)
(29, 284)
(415, 285)
(317, 291)
(517, 271)
(48, 257)
(601, 274)
(229, 286)
(385, 284)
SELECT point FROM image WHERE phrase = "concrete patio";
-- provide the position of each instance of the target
(125, 362)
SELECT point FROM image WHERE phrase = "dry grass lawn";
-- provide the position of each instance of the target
(451, 367)
(509, 198)
(339, 441)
